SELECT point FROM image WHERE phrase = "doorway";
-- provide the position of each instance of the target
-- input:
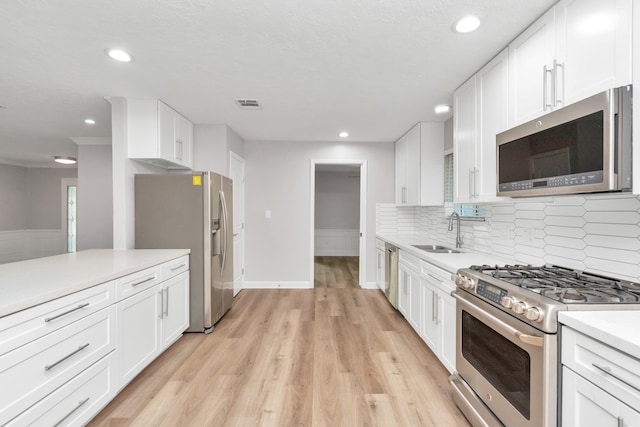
(338, 222)
(69, 212)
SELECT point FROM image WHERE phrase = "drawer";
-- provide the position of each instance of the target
(612, 370)
(138, 281)
(76, 402)
(409, 260)
(24, 326)
(39, 367)
(437, 273)
(174, 267)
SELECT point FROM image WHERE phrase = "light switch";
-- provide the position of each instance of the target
(267, 214)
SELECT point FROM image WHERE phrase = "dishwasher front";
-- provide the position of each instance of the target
(391, 274)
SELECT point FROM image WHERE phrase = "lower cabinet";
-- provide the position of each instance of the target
(380, 259)
(409, 289)
(175, 315)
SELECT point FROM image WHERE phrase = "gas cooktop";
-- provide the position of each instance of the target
(564, 284)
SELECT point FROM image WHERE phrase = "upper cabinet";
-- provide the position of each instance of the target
(420, 166)
(575, 50)
(158, 134)
(479, 113)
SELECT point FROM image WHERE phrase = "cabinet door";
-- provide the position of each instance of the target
(403, 290)
(464, 140)
(175, 311)
(429, 326)
(413, 166)
(166, 131)
(138, 332)
(401, 171)
(447, 329)
(380, 273)
(584, 404)
(184, 141)
(593, 47)
(530, 55)
(415, 301)
(492, 89)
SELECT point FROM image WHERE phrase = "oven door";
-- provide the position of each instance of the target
(509, 365)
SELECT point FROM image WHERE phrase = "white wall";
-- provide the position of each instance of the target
(13, 191)
(211, 147)
(337, 200)
(44, 200)
(448, 134)
(278, 179)
(95, 197)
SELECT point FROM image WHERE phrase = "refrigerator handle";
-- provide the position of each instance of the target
(225, 225)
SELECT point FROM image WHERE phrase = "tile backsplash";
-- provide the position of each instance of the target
(597, 233)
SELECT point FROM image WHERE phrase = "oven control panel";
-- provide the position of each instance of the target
(490, 292)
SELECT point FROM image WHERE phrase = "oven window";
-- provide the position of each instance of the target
(505, 365)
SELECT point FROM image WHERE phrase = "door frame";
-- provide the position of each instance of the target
(362, 274)
(240, 159)
(64, 226)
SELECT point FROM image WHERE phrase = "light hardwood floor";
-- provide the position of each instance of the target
(336, 272)
(314, 357)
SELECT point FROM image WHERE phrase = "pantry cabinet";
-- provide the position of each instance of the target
(480, 112)
(158, 134)
(576, 49)
(419, 177)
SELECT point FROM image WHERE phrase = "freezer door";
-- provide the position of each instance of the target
(227, 270)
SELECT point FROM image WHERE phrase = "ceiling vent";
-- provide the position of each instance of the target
(248, 104)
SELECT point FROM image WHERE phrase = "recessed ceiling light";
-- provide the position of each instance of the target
(65, 160)
(343, 134)
(442, 108)
(119, 55)
(90, 121)
(467, 24)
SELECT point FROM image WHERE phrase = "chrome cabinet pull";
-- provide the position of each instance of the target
(434, 277)
(470, 183)
(620, 422)
(433, 307)
(53, 365)
(80, 403)
(143, 281)
(556, 79)
(608, 371)
(161, 293)
(166, 303)
(178, 267)
(545, 88)
(79, 307)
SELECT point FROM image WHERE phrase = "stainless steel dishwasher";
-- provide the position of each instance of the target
(391, 274)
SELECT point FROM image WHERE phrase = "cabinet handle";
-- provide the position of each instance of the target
(161, 316)
(607, 370)
(545, 88)
(79, 307)
(434, 277)
(620, 422)
(178, 267)
(404, 194)
(144, 281)
(475, 182)
(80, 403)
(556, 79)
(53, 365)
(433, 306)
(166, 303)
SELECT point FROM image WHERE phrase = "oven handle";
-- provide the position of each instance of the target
(488, 318)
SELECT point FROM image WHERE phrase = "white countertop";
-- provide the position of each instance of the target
(28, 283)
(619, 329)
(449, 262)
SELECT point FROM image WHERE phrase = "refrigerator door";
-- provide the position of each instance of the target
(227, 270)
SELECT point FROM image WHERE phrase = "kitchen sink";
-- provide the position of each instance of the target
(438, 249)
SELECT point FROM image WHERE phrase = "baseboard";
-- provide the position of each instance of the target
(370, 285)
(276, 285)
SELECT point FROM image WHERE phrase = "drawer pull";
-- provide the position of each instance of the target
(79, 307)
(433, 276)
(53, 365)
(620, 422)
(144, 280)
(608, 371)
(82, 402)
(178, 267)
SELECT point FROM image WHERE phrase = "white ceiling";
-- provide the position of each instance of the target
(372, 68)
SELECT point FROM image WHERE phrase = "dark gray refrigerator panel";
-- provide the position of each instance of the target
(184, 211)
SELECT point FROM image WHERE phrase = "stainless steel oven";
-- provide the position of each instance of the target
(507, 337)
(506, 369)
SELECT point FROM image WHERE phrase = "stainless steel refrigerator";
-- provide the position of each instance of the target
(191, 211)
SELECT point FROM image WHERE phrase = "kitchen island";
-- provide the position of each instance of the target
(76, 328)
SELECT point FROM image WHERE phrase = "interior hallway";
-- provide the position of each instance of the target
(336, 272)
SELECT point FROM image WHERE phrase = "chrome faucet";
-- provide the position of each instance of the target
(459, 241)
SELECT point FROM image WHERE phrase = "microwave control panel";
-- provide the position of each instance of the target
(578, 179)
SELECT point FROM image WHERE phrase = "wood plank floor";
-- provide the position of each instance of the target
(336, 272)
(313, 357)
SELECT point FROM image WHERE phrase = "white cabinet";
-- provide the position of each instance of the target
(409, 301)
(380, 259)
(600, 384)
(438, 314)
(419, 166)
(175, 315)
(158, 134)
(575, 50)
(480, 112)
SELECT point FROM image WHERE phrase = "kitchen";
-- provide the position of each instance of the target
(527, 228)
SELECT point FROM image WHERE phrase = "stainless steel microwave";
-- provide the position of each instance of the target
(581, 148)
